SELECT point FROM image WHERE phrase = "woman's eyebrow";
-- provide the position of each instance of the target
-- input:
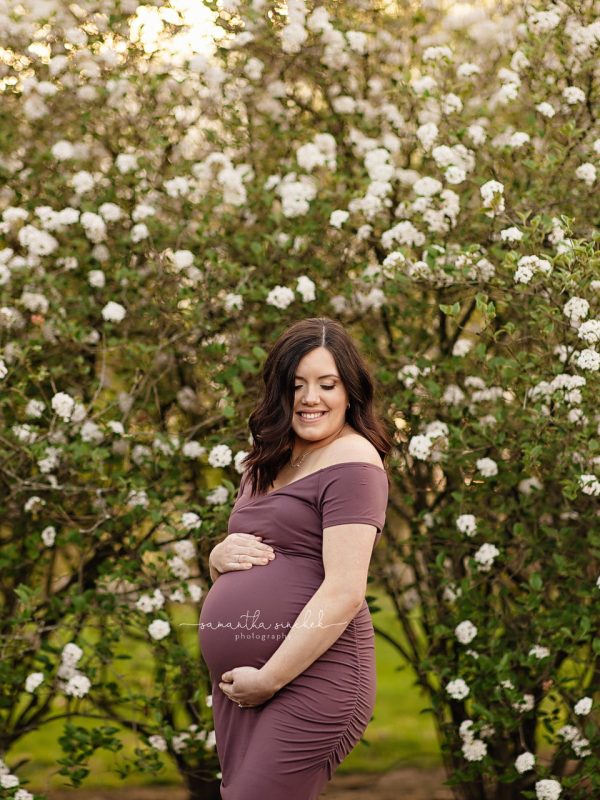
(331, 375)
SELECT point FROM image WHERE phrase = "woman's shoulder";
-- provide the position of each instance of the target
(351, 447)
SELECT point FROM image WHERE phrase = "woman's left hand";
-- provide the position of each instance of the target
(246, 685)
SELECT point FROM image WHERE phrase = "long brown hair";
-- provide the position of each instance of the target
(271, 421)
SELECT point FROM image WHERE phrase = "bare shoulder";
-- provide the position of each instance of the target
(351, 447)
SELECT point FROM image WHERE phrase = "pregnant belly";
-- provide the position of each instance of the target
(247, 613)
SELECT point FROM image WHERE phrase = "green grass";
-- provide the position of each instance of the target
(398, 733)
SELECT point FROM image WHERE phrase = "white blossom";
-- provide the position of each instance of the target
(583, 706)
(457, 689)
(512, 234)
(587, 173)
(220, 456)
(158, 629)
(306, 288)
(190, 520)
(474, 750)
(545, 109)
(548, 789)
(524, 762)
(573, 95)
(487, 467)
(33, 680)
(78, 685)
(467, 523)
(485, 556)
(158, 743)
(48, 535)
(280, 297)
(465, 631)
(126, 162)
(114, 312)
(338, 217)
(589, 360)
(539, 652)
(63, 405)
(589, 331)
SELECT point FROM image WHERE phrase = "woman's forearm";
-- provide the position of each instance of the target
(320, 623)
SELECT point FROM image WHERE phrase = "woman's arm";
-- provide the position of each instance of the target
(331, 609)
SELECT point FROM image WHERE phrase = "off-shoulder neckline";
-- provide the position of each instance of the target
(316, 472)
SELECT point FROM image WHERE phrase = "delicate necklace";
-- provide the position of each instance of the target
(303, 456)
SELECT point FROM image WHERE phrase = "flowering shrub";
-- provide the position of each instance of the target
(425, 175)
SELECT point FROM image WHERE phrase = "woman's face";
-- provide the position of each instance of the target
(318, 387)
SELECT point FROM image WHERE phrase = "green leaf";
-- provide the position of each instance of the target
(452, 310)
(535, 581)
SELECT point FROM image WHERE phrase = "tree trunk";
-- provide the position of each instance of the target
(201, 788)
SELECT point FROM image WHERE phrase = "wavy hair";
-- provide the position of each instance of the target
(271, 421)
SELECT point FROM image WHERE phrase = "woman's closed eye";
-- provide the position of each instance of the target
(322, 387)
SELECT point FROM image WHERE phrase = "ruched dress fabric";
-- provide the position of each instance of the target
(289, 747)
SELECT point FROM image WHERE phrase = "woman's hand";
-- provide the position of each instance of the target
(240, 551)
(247, 686)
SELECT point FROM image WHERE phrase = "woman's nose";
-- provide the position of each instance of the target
(310, 396)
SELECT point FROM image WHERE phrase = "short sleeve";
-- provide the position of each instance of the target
(353, 492)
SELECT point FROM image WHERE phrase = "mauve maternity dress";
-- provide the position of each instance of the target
(289, 747)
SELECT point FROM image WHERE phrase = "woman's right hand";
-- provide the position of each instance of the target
(240, 551)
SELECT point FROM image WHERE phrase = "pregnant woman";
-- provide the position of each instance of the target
(285, 629)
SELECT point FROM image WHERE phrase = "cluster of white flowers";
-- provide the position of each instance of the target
(528, 266)
(280, 297)
(589, 484)
(430, 445)
(137, 497)
(158, 743)
(538, 651)
(588, 359)
(192, 449)
(578, 742)
(409, 373)
(548, 789)
(148, 603)
(465, 631)
(524, 762)
(492, 194)
(218, 496)
(487, 467)
(321, 152)
(49, 535)
(562, 386)
(583, 706)
(296, 194)
(525, 704)
(33, 680)
(473, 749)
(589, 331)
(467, 524)
(62, 405)
(576, 309)
(512, 234)
(158, 629)
(73, 682)
(306, 288)
(587, 173)
(485, 556)
(457, 689)
(113, 312)
(220, 456)
(190, 520)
